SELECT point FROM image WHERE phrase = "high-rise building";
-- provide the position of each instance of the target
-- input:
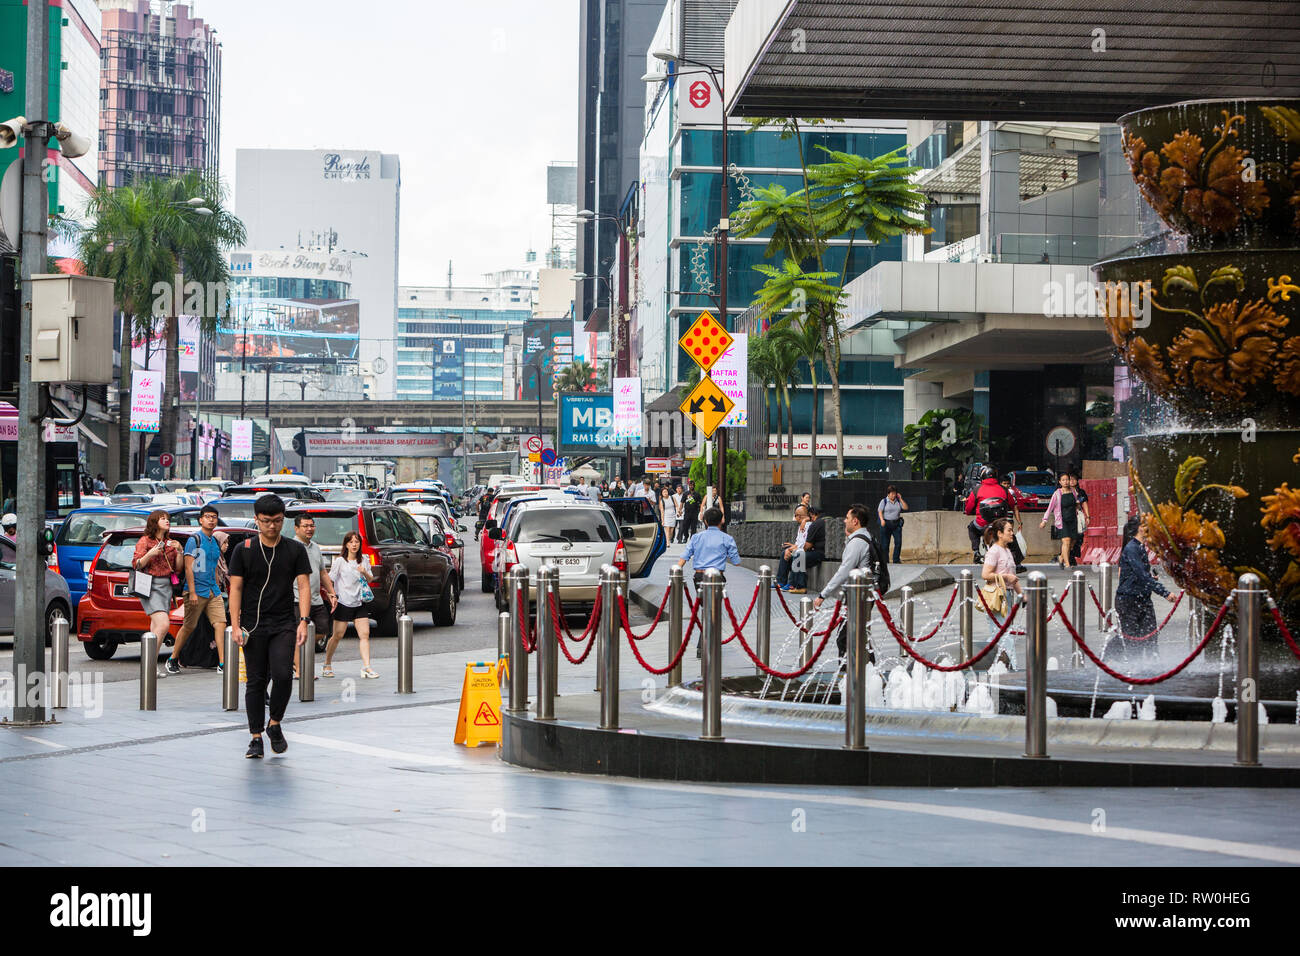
(458, 342)
(615, 37)
(340, 202)
(160, 92)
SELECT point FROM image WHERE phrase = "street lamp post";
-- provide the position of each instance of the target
(615, 322)
(724, 224)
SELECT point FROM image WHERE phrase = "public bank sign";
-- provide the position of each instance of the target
(587, 422)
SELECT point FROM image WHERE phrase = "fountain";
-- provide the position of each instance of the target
(1215, 332)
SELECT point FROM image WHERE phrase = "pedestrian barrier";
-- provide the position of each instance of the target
(148, 671)
(230, 672)
(59, 662)
(405, 654)
(307, 666)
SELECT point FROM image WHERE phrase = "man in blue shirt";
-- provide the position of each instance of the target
(711, 548)
(202, 555)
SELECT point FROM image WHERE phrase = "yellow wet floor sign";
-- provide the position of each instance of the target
(479, 720)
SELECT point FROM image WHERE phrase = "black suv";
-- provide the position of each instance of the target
(410, 572)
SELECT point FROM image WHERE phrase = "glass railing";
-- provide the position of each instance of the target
(1046, 249)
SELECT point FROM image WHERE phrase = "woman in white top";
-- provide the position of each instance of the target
(667, 512)
(348, 572)
(1000, 564)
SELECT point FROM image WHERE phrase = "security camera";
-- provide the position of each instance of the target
(10, 130)
(71, 144)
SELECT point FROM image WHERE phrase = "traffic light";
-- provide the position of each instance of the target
(47, 542)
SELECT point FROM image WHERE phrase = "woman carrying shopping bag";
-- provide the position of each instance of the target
(351, 576)
(1000, 578)
(155, 565)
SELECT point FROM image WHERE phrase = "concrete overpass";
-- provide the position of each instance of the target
(504, 415)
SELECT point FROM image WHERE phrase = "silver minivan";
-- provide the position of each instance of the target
(578, 537)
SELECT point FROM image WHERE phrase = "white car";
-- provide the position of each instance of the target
(578, 537)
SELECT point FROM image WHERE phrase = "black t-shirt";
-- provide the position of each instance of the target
(268, 597)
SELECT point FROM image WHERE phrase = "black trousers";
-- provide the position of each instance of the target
(690, 520)
(976, 536)
(268, 653)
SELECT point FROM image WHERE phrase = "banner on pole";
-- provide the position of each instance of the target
(241, 440)
(731, 374)
(627, 410)
(146, 401)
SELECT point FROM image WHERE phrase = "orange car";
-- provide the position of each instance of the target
(109, 614)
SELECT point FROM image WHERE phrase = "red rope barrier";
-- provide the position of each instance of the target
(790, 675)
(935, 630)
(902, 642)
(1281, 626)
(1146, 680)
(1096, 601)
(788, 613)
(686, 639)
(655, 623)
(1161, 627)
(561, 629)
(530, 645)
(750, 610)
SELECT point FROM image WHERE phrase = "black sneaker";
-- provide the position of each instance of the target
(254, 748)
(171, 667)
(278, 743)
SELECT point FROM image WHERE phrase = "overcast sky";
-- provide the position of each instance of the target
(476, 98)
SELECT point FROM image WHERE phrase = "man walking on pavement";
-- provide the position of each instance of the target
(860, 551)
(202, 555)
(263, 571)
(711, 548)
(304, 529)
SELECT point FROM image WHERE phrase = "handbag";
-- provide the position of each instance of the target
(367, 595)
(1082, 523)
(141, 583)
(995, 596)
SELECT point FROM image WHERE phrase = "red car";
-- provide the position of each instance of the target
(487, 548)
(109, 615)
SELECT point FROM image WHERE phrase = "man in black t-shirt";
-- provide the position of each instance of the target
(263, 571)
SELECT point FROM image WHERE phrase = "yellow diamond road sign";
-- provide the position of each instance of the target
(706, 341)
(706, 406)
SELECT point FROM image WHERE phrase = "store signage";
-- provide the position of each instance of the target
(855, 446)
(627, 410)
(290, 265)
(379, 444)
(658, 466)
(587, 422)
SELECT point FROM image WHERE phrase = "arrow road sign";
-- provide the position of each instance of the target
(706, 406)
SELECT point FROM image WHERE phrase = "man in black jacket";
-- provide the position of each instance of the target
(814, 552)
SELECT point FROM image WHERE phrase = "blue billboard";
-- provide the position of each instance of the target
(587, 423)
(449, 369)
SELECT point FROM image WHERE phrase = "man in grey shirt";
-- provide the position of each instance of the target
(860, 551)
(304, 529)
(890, 512)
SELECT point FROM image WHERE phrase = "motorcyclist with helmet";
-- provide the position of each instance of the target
(991, 500)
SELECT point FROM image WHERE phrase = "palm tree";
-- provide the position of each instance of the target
(803, 337)
(577, 376)
(142, 237)
(762, 368)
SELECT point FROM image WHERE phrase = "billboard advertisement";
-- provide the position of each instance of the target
(587, 423)
(146, 401)
(381, 444)
(241, 440)
(548, 347)
(290, 329)
(627, 410)
(448, 369)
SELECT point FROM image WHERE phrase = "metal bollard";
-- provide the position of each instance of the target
(1036, 665)
(1107, 593)
(548, 577)
(230, 672)
(307, 666)
(503, 646)
(59, 662)
(607, 646)
(1249, 596)
(966, 613)
(517, 594)
(763, 611)
(711, 610)
(805, 637)
(1078, 614)
(907, 613)
(676, 588)
(148, 671)
(857, 596)
(405, 655)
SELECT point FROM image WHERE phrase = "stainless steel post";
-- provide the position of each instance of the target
(676, 588)
(1107, 596)
(907, 613)
(607, 647)
(517, 595)
(1078, 614)
(148, 671)
(1036, 665)
(503, 646)
(763, 612)
(966, 613)
(548, 576)
(307, 666)
(711, 611)
(856, 596)
(59, 663)
(405, 655)
(805, 636)
(1249, 597)
(230, 673)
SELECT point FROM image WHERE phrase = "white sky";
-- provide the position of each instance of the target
(476, 98)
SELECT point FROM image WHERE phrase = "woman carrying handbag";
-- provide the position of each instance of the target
(155, 565)
(999, 574)
(351, 576)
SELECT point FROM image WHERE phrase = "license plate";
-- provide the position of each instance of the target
(121, 590)
(570, 562)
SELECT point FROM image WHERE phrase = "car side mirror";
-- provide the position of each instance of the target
(495, 534)
(628, 533)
